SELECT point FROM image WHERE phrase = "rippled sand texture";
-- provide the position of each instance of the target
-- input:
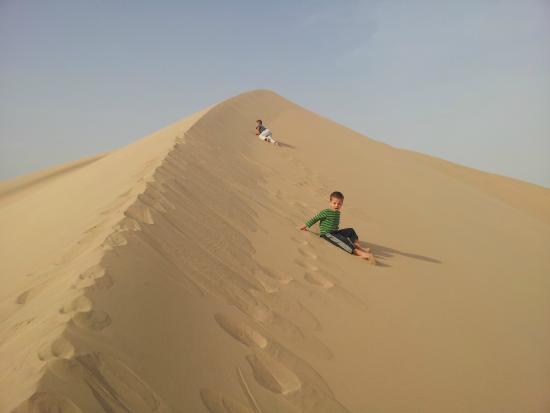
(169, 276)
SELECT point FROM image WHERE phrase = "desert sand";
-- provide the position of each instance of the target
(170, 276)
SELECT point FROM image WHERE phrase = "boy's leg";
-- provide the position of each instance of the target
(347, 245)
(340, 241)
(352, 235)
(269, 136)
(348, 233)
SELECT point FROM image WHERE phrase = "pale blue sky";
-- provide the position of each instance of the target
(468, 81)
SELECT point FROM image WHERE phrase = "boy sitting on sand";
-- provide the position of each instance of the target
(263, 133)
(346, 238)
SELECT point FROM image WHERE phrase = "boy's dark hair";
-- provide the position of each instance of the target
(259, 120)
(337, 195)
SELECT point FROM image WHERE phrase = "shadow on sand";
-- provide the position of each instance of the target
(285, 145)
(382, 252)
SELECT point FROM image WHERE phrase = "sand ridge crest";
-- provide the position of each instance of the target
(122, 216)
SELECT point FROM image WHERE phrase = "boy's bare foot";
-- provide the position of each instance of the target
(365, 255)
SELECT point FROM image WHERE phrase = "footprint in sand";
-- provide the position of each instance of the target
(241, 331)
(95, 276)
(271, 320)
(128, 224)
(116, 240)
(93, 320)
(259, 311)
(156, 199)
(66, 369)
(60, 348)
(140, 212)
(153, 203)
(80, 304)
(273, 375)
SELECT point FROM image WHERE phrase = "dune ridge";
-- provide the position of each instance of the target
(170, 276)
(110, 216)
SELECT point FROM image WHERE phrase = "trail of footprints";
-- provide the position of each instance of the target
(278, 370)
(320, 278)
(274, 366)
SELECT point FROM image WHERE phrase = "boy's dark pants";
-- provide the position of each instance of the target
(343, 238)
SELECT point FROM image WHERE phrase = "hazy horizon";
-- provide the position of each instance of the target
(468, 82)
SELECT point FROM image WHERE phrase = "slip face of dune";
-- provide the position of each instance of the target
(170, 276)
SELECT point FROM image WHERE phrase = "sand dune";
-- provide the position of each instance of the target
(169, 276)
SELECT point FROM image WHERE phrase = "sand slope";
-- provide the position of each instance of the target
(169, 276)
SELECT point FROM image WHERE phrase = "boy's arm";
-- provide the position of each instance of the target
(313, 220)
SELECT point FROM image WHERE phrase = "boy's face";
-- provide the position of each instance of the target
(336, 203)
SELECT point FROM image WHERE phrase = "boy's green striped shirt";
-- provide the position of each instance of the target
(329, 221)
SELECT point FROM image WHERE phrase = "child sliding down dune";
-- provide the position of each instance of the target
(346, 238)
(263, 133)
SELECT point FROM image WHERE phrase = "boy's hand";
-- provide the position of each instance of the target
(303, 227)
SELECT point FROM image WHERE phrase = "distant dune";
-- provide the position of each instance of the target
(170, 276)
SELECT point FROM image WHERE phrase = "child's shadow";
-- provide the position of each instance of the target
(285, 145)
(380, 251)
